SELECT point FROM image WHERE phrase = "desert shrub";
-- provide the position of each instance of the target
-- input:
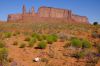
(79, 55)
(26, 33)
(3, 56)
(40, 37)
(98, 47)
(93, 60)
(95, 23)
(35, 35)
(76, 43)
(32, 42)
(90, 64)
(86, 44)
(1, 36)
(44, 59)
(15, 43)
(42, 45)
(67, 45)
(7, 34)
(2, 44)
(16, 33)
(73, 38)
(44, 36)
(22, 45)
(27, 39)
(55, 37)
(94, 34)
(51, 38)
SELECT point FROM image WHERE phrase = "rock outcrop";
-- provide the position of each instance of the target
(47, 13)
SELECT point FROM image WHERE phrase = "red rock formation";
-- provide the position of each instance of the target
(45, 13)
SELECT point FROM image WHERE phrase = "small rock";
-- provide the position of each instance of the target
(37, 59)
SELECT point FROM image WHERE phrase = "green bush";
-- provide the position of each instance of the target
(37, 36)
(22, 45)
(42, 45)
(55, 37)
(3, 56)
(76, 43)
(86, 44)
(32, 42)
(51, 38)
(2, 44)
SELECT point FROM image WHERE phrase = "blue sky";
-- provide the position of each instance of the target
(89, 8)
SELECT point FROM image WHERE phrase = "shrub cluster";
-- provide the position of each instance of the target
(42, 38)
(81, 43)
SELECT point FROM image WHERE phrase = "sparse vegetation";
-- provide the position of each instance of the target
(54, 41)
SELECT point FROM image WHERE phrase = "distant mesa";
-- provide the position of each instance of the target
(46, 14)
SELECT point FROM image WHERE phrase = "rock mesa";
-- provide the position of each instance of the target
(47, 13)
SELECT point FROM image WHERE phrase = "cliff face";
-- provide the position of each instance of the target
(53, 12)
(48, 13)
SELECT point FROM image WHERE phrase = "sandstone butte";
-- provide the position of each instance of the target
(47, 14)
